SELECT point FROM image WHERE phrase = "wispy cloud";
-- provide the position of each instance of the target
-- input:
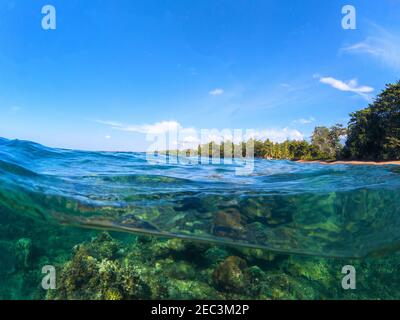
(277, 135)
(155, 128)
(382, 45)
(351, 85)
(304, 120)
(216, 92)
(109, 123)
(347, 86)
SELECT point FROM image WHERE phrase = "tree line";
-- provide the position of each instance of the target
(325, 144)
(373, 133)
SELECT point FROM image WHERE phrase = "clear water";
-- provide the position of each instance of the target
(285, 207)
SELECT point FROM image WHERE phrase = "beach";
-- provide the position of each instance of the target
(366, 163)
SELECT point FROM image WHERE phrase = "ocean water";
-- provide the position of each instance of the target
(282, 207)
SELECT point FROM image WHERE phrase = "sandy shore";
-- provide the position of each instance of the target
(369, 163)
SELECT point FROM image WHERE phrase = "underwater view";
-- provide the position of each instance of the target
(283, 231)
(158, 151)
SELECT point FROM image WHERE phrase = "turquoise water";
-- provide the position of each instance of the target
(341, 210)
(338, 211)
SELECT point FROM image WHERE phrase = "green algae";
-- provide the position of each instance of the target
(115, 266)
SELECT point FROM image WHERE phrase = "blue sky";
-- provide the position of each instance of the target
(113, 71)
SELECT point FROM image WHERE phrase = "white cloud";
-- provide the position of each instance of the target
(216, 92)
(383, 46)
(348, 86)
(109, 123)
(156, 128)
(277, 135)
(304, 120)
(351, 85)
(190, 137)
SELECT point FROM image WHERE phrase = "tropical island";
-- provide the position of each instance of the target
(372, 136)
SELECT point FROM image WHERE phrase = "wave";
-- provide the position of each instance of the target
(335, 211)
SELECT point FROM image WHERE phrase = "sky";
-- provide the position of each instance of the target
(114, 72)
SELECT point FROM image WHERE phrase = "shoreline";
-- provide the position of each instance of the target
(367, 163)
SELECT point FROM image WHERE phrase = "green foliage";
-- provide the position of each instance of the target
(374, 132)
(327, 142)
(325, 145)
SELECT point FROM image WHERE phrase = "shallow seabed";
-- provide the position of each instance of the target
(100, 265)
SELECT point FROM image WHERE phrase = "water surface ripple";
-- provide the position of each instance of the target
(283, 206)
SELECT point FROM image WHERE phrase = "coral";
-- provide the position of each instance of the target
(163, 248)
(103, 246)
(78, 277)
(130, 267)
(230, 274)
(98, 277)
(256, 255)
(311, 268)
(214, 255)
(150, 268)
(112, 294)
(23, 251)
(228, 223)
(187, 289)
(255, 208)
(180, 270)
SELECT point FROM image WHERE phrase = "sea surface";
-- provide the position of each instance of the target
(335, 211)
